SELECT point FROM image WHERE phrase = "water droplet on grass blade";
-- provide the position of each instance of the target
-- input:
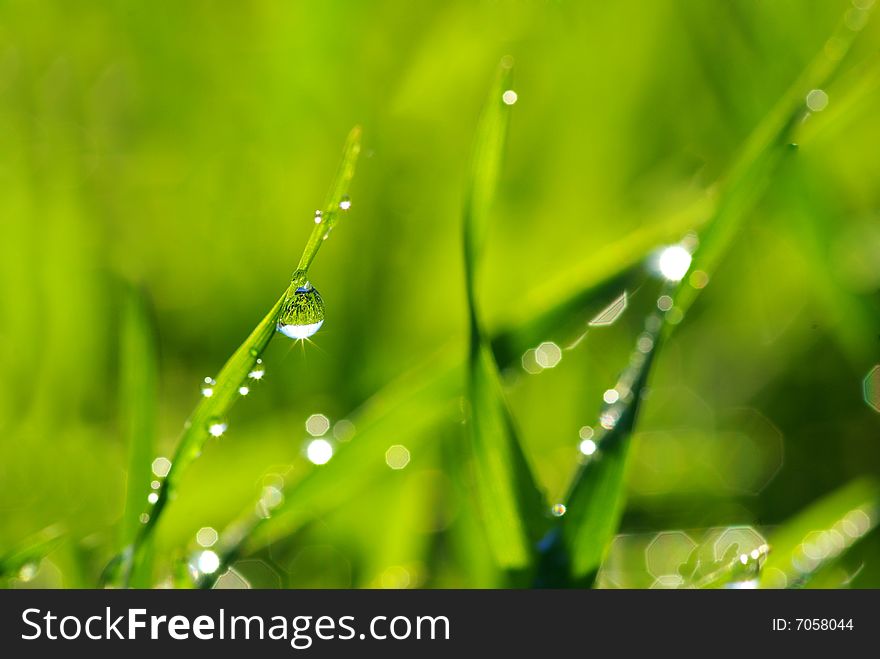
(208, 387)
(207, 536)
(318, 217)
(258, 371)
(319, 451)
(208, 562)
(244, 390)
(216, 427)
(28, 571)
(558, 510)
(161, 466)
(302, 314)
(345, 203)
(587, 447)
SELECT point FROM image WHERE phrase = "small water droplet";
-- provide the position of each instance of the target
(258, 371)
(208, 562)
(509, 97)
(317, 425)
(152, 497)
(318, 217)
(271, 497)
(319, 451)
(558, 510)
(817, 100)
(216, 427)
(302, 314)
(208, 387)
(28, 571)
(587, 447)
(645, 343)
(664, 303)
(345, 203)
(254, 352)
(611, 396)
(155, 485)
(161, 466)
(244, 390)
(207, 536)
(609, 419)
(144, 518)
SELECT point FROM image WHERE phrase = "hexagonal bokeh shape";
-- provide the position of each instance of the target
(231, 580)
(736, 540)
(871, 388)
(667, 582)
(753, 450)
(667, 552)
(258, 573)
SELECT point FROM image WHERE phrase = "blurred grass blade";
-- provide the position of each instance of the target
(138, 377)
(820, 535)
(595, 501)
(213, 409)
(761, 157)
(28, 555)
(510, 503)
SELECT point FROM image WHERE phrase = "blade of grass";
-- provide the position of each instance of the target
(594, 504)
(213, 409)
(595, 501)
(820, 535)
(761, 155)
(30, 552)
(138, 401)
(511, 504)
(606, 274)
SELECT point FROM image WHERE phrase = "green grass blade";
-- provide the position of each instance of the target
(138, 377)
(214, 409)
(820, 535)
(510, 503)
(595, 502)
(760, 158)
(30, 552)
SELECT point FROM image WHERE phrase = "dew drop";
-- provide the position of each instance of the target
(216, 427)
(318, 217)
(207, 536)
(144, 518)
(161, 466)
(302, 314)
(28, 571)
(319, 451)
(258, 371)
(244, 390)
(345, 202)
(208, 387)
(152, 497)
(208, 562)
(558, 510)
(587, 447)
(609, 419)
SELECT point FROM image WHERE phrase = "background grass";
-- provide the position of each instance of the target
(183, 148)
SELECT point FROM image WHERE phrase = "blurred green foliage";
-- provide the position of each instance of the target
(183, 148)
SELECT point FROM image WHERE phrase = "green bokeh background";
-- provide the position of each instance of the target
(182, 147)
